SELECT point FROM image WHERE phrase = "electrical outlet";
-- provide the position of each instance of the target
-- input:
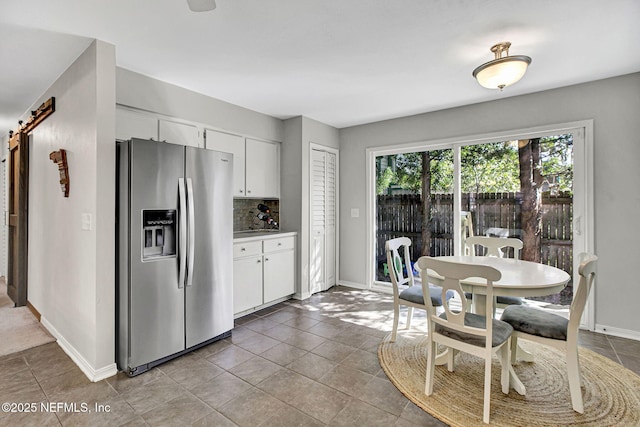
(355, 212)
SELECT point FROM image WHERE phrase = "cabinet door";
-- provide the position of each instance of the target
(262, 169)
(132, 124)
(247, 283)
(279, 275)
(178, 133)
(233, 144)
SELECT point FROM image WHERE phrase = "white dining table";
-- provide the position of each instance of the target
(519, 279)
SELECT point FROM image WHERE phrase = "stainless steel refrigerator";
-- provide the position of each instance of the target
(174, 251)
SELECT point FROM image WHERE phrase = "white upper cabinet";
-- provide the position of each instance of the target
(132, 124)
(233, 144)
(178, 133)
(262, 170)
(256, 164)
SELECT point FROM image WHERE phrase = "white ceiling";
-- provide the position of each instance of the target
(342, 62)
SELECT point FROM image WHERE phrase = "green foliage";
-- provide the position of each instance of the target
(485, 168)
(384, 180)
(490, 168)
(556, 160)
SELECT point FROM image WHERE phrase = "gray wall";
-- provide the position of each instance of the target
(72, 270)
(613, 104)
(139, 91)
(300, 132)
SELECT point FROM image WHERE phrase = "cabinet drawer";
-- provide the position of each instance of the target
(247, 249)
(280, 244)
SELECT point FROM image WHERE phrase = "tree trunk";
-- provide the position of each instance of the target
(530, 215)
(426, 204)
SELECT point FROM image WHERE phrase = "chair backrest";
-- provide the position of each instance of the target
(398, 257)
(587, 273)
(494, 245)
(452, 273)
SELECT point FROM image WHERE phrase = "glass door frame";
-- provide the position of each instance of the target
(583, 189)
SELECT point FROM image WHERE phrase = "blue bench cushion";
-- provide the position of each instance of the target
(536, 322)
(500, 333)
(414, 295)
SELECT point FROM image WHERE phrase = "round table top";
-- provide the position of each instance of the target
(519, 278)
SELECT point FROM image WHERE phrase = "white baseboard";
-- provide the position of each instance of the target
(93, 374)
(354, 285)
(617, 332)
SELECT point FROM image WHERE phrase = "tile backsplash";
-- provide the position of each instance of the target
(245, 213)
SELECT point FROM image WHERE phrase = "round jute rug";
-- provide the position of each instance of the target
(611, 393)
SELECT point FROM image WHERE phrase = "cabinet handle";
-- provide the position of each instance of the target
(266, 259)
(243, 249)
(241, 191)
(280, 244)
(248, 191)
(259, 261)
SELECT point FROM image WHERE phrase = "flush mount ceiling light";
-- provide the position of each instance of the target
(201, 5)
(504, 70)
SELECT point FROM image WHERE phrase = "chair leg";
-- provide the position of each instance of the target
(487, 390)
(431, 366)
(409, 317)
(514, 350)
(451, 359)
(573, 371)
(396, 315)
(504, 361)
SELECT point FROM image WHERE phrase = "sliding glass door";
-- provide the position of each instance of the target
(535, 186)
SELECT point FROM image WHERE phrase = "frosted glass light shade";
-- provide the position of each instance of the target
(201, 5)
(503, 72)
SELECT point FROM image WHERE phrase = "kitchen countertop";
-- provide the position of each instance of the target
(261, 234)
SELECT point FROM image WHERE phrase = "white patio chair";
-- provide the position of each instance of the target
(550, 329)
(480, 335)
(400, 271)
(494, 247)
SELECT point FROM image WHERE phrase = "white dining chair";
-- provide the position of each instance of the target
(480, 335)
(495, 246)
(550, 329)
(405, 290)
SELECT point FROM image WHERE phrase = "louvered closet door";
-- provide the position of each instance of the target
(330, 220)
(323, 221)
(318, 223)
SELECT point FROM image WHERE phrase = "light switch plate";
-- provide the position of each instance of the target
(355, 212)
(86, 221)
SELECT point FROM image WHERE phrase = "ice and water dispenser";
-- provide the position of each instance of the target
(158, 234)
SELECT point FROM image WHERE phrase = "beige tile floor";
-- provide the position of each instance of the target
(309, 363)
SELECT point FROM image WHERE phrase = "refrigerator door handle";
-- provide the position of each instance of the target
(192, 232)
(182, 232)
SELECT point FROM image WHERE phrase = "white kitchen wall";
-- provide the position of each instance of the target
(71, 270)
(613, 104)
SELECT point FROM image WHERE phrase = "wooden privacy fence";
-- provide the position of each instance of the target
(400, 215)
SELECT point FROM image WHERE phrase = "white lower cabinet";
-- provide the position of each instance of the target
(247, 283)
(278, 275)
(263, 271)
